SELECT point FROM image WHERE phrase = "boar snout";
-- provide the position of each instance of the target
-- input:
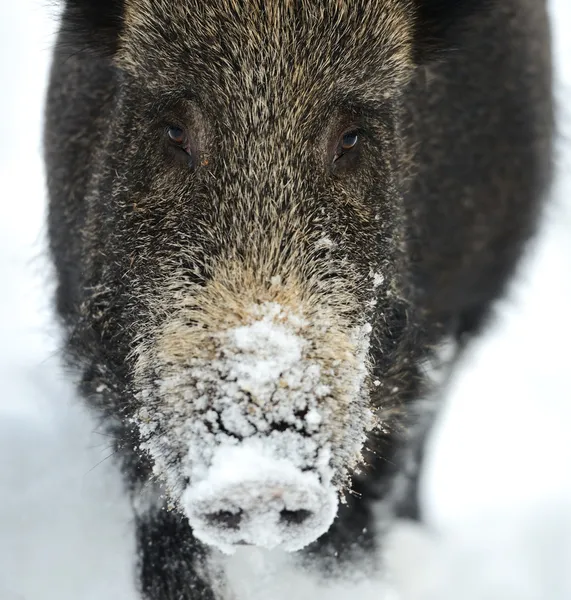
(255, 426)
(251, 496)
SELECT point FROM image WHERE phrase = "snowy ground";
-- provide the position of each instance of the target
(498, 490)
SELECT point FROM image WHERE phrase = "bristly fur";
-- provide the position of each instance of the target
(96, 25)
(439, 24)
(92, 25)
(163, 252)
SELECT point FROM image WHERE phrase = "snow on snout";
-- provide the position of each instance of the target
(287, 383)
(254, 488)
(265, 500)
(265, 349)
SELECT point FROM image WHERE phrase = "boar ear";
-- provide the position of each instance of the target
(92, 25)
(440, 24)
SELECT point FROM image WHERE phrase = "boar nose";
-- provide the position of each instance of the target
(278, 505)
(226, 519)
(259, 513)
(264, 513)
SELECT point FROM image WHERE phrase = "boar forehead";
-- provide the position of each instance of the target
(267, 68)
(236, 47)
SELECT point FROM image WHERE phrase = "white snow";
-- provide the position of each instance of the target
(265, 349)
(249, 480)
(256, 574)
(498, 488)
(378, 279)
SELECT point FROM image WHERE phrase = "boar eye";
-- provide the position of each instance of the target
(177, 136)
(346, 151)
(180, 145)
(349, 140)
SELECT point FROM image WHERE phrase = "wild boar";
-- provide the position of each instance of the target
(267, 217)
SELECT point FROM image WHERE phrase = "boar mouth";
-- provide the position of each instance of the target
(290, 386)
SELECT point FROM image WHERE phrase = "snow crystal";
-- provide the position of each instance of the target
(378, 280)
(325, 243)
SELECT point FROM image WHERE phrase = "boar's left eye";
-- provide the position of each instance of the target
(178, 137)
(346, 151)
(349, 140)
(180, 145)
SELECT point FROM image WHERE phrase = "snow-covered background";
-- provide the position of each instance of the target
(498, 487)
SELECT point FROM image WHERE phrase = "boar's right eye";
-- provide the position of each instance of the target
(176, 135)
(179, 141)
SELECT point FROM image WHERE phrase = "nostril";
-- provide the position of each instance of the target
(294, 517)
(225, 519)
